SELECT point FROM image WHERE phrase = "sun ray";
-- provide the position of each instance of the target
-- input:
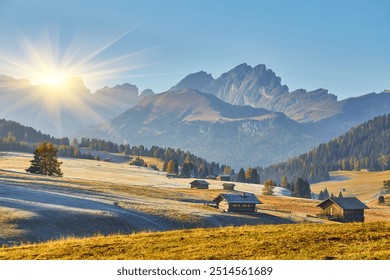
(57, 72)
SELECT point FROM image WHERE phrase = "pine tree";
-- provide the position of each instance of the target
(321, 195)
(35, 167)
(326, 193)
(255, 179)
(241, 175)
(45, 161)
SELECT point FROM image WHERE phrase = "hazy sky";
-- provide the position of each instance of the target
(343, 46)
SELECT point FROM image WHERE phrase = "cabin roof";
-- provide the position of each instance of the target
(228, 185)
(200, 182)
(238, 198)
(346, 203)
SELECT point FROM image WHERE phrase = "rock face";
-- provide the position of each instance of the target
(260, 87)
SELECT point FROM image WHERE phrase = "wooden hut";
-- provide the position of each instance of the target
(223, 177)
(199, 184)
(343, 209)
(228, 186)
(237, 202)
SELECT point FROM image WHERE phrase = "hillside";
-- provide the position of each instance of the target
(107, 197)
(365, 146)
(209, 127)
(367, 185)
(25, 133)
(272, 242)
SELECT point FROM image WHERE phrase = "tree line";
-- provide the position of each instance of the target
(366, 146)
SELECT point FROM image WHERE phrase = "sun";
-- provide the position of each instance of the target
(53, 78)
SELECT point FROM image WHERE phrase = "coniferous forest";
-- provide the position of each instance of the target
(366, 146)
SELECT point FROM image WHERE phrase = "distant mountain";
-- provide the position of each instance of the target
(260, 87)
(354, 111)
(209, 127)
(64, 110)
(366, 146)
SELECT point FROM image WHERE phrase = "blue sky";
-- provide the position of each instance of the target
(341, 45)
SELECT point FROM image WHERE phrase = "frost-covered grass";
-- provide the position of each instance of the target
(286, 242)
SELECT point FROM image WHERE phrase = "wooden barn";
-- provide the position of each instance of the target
(228, 186)
(237, 202)
(223, 177)
(199, 184)
(343, 209)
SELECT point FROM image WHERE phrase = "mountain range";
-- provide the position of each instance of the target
(244, 117)
(62, 111)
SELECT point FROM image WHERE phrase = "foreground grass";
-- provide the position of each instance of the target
(298, 241)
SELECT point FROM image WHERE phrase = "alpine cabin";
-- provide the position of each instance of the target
(199, 184)
(343, 209)
(237, 202)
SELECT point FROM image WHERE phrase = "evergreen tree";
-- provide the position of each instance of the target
(255, 178)
(321, 195)
(35, 167)
(326, 193)
(340, 195)
(45, 161)
(241, 175)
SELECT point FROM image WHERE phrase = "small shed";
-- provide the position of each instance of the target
(343, 209)
(223, 177)
(228, 186)
(237, 202)
(199, 184)
(172, 175)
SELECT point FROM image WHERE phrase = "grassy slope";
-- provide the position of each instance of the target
(298, 241)
(365, 185)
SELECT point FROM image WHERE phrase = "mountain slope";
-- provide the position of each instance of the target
(366, 146)
(208, 127)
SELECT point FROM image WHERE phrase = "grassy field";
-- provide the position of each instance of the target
(97, 198)
(281, 242)
(363, 184)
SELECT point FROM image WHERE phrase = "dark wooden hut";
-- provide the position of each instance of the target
(199, 184)
(228, 186)
(237, 202)
(343, 209)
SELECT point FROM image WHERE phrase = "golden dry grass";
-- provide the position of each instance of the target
(362, 184)
(287, 242)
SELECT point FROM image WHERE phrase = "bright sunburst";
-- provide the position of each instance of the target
(45, 62)
(61, 74)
